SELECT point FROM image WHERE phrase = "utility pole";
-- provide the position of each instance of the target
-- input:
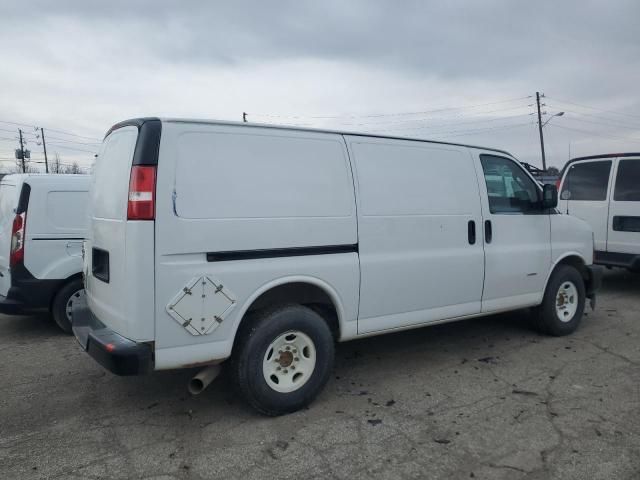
(24, 169)
(544, 160)
(44, 146)
(244, 117)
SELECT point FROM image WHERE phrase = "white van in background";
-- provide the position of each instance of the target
(604, 190)
(263, 245)
(43, 221)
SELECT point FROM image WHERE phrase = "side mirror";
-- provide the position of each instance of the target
(549, 196)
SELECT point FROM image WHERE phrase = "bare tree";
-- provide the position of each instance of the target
(74, 168)
(55, 165)
(27, 169)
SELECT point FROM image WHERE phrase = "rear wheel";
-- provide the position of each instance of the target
(563, 304)
(62, 306)
(283, 359)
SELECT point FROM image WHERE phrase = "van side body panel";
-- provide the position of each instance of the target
(224, 189)
(57, 222)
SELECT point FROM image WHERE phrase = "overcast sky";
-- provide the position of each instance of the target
(403, 68)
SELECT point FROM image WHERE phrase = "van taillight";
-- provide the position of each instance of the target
(558, 182)
(142, 193)
(17, 239)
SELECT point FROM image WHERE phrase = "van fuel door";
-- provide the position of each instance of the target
(202, 305)
(74, 248)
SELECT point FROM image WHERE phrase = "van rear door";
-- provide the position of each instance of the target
(624, 209)
(117, 250)
(8, 203)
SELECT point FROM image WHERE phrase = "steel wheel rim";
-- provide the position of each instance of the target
(567, 301)
(289, 361)
(74, 298)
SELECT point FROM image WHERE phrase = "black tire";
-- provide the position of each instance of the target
(546, 315)
(253, 340)
(69, 291)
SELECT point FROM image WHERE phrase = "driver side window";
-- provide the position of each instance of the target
(510, 189)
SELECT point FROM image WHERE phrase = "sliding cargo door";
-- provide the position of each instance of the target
(421, 254)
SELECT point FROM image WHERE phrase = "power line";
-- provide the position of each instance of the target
(395, 114)
(482, 130)
(637, 140)
(72, 141)
(607, 120)
(73, 148)
(37, 138)
(432, 119)
(595, 108)
(64, 132)
(637, 129)
(455, 124)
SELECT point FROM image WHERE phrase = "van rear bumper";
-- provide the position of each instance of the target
(11, 306)
(114, 352)
(28, 293)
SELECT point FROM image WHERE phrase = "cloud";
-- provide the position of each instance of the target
(83, 66)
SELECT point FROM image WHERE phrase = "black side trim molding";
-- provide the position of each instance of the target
(57, 238)
(280, 252)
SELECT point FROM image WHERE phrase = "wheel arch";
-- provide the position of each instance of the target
(62, 284)
(573, 259)
(306, 290)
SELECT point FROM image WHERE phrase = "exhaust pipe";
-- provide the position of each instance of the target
(202, 380)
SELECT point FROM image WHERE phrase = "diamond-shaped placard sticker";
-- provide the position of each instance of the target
(201, 306)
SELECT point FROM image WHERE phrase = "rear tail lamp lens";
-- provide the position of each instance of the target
(142, 193)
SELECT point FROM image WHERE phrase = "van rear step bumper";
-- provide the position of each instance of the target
(114, 352)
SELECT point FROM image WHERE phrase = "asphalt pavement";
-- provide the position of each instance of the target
(487, 398)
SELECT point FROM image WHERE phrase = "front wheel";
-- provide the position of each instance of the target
(283, 359)
(62, 306)
(563, 304)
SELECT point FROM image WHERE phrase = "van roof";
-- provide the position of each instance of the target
(607, 155)
(139, 121)
(19, 178)
(596, 157)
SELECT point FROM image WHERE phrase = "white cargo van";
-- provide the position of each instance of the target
(263, 245)
(604, 190)
(43, 224)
